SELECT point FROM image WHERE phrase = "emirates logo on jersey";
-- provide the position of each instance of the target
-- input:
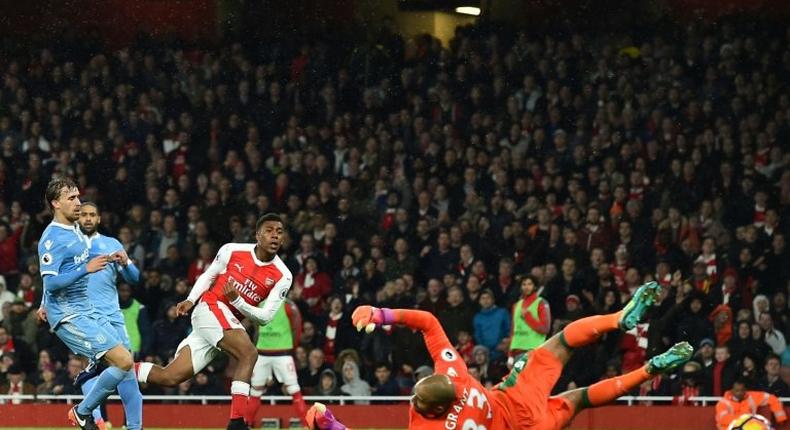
(247, 289)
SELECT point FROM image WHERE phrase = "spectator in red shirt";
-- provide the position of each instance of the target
(315, 286)
(201, 263)
(9, 249)
(722, 373)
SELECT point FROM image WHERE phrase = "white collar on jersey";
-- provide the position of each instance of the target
(66, 226)
(259, 262)
(92, 237)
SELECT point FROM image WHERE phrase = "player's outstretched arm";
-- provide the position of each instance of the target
(369, 317)
(436, 341)
(319, 417)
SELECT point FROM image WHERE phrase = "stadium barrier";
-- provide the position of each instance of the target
(634, 412)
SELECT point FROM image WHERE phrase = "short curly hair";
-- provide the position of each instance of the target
(55, 187)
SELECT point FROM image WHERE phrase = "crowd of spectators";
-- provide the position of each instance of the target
(433, 177)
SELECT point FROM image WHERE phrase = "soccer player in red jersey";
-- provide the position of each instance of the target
(451, 399)
(245, 280)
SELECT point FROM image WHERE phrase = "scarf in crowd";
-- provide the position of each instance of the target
(8, 346)
(685, 394)
(331, 334)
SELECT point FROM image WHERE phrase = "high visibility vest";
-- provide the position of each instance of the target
(276, 336)
(130, 316)
(524, 337)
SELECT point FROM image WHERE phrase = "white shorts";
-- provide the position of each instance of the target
(209, 323)
(281, 366)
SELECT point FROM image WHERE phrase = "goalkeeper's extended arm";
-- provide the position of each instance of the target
(435, 339)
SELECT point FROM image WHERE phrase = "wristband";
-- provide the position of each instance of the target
(387, 316)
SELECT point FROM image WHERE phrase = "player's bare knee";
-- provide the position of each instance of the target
(119, 357)
(126, 363)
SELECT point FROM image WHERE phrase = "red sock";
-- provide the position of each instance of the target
(238, 405)
(301, 407)
(240, 393)
(588, 330)
(253, 404)
(610, 389)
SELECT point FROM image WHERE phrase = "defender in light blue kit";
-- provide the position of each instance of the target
(65, 261)
(103, 295)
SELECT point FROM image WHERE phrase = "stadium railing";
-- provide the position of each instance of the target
(342, 400)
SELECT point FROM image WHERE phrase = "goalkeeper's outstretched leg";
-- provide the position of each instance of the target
(560, 409)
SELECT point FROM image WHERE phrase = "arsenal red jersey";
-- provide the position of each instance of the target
(254, 279)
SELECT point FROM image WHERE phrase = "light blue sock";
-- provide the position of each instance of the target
(86, 388)
(132, 400)
(105, 385)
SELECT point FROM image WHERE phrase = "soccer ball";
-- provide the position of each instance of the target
(750, 422)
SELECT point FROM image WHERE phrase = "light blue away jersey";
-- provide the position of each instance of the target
(102, 288)
(64, 249)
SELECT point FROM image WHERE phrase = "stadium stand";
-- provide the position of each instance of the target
(421, 178)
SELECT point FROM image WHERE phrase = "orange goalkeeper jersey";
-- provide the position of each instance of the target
(475, 407)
